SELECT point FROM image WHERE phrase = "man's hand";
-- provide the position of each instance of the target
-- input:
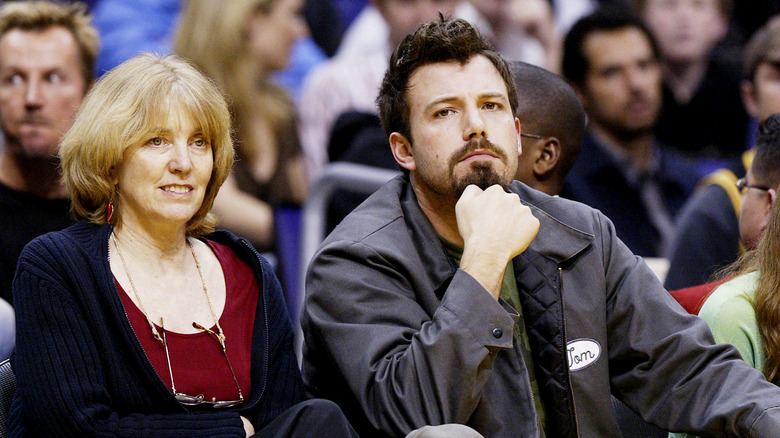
(495, 227)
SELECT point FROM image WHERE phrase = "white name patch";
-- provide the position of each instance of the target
(582, 353)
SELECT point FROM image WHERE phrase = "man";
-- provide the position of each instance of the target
(349, 81)
(611, 60)
(47, 55)
(707, 237)
(427, 305)
(553, 125)
(702, 115)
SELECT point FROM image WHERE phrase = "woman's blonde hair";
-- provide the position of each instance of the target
(768, 293)
(124, 109)
(213, 35)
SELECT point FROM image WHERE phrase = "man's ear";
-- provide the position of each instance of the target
(402, 151)
(549, 155)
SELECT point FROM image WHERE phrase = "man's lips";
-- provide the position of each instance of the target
(485, 153)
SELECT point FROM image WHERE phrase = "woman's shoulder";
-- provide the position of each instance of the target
(732, 299)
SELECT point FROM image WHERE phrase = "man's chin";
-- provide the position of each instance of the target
(480, 176)
(38, 148)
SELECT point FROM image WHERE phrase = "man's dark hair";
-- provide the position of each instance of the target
(575, 64)
(766, 163)
(442, 40)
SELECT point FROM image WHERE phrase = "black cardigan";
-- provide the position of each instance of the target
(81, 370)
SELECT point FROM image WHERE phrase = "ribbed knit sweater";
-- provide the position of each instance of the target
(81, 370)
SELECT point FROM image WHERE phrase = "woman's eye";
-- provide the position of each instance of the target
(200, 142)
(157, 141)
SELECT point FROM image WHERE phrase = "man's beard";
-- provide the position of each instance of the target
(480, 174)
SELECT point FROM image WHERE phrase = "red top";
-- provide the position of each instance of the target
(197, 361)
(692, 298)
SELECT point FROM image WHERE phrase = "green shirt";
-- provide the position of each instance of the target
(731, 316)
(511, 295)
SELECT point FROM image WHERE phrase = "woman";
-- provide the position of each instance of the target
(127, 324)
(240, 44)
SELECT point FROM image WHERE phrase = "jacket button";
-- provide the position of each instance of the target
(497, 333)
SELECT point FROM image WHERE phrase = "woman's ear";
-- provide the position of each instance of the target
(402, 151)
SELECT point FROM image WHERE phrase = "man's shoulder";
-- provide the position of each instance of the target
(378, 215)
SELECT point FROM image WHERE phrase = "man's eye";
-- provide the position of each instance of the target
(491, 105)
(443, 113)
(53, 77)
(14, 79)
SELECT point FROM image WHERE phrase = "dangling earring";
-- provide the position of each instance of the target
(110, 206)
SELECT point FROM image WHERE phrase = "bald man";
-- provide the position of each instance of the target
(553, 125)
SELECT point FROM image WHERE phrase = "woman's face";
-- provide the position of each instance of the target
(272, 34)
(163, 181)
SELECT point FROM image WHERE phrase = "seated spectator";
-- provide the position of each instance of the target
(744, 311)
(624, 171)
(707, 236)
(105, 345)
(239, 44)
(756, 201)
(702, 115)
(47, 55)
(7, 330)
(552, 125)
(455, 295)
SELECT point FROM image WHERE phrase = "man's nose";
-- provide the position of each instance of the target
(475, 125)
(33, 95)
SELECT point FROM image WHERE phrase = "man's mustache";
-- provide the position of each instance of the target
(475, 144)
(33, 119)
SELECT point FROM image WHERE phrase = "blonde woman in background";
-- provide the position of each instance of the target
(240, 44)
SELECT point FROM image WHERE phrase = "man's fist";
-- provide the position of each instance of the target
(495, 227)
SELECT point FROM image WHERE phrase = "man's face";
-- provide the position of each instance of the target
(763, 96)
(686, 30)
(41, 88)
(754, 214)
(462, 127)
(404, 16)
(621, 91)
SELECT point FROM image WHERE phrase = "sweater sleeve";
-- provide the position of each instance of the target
(59, 364)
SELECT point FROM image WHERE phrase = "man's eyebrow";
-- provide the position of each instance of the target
(442, 99)
(494, 94)
(453, 98)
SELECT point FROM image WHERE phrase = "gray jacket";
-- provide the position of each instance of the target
(400, 337)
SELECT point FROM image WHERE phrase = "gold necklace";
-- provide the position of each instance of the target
(220, 336)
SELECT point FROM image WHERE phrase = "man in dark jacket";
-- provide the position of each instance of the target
(437, 302)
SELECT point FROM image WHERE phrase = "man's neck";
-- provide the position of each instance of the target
(637, 149)
(683, 79)
(33, 176)
(440, 212)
